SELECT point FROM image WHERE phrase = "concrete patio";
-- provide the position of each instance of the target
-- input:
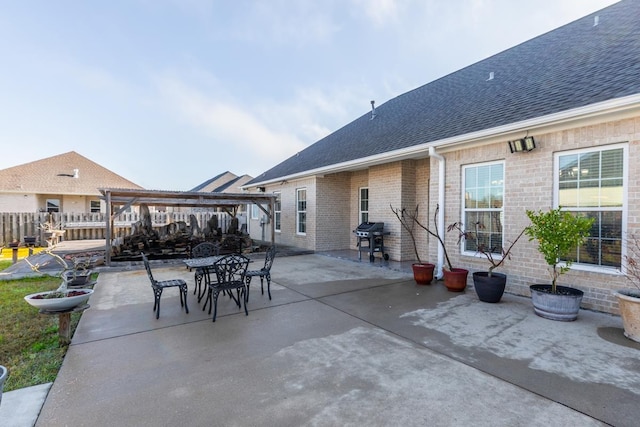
(342, 343)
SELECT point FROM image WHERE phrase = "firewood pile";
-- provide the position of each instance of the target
(175, 240)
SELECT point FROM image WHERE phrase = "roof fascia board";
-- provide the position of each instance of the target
(614, 106)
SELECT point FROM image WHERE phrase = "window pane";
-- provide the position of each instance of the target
(496, 197)
(470, 177)
(302, 208)
(568, 166)
(470, 199)
(302, 226)
(612, 164)
(53, 205)
(595, 179)
(484, 200)
(364, 205)
(277, 214)
(589, 166)
(484, 176)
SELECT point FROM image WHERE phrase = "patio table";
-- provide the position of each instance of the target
(203, 263)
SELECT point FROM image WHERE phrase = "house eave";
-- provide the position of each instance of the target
(613, 108)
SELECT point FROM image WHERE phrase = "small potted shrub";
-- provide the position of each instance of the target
(558, 233)
(455, 279)
(422, 271)
(489, 285)
(629, 299)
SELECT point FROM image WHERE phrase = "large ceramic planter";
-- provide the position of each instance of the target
(3, 376)
(630, 312)
(489, 288)
(68, 300)
(455, 280)
(423, 273)
(563, 305)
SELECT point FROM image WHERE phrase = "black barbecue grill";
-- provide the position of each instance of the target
(371, 239)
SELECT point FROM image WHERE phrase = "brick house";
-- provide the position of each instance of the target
(575, 90)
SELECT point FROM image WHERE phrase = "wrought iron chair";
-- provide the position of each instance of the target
(264, 272)
(159, 285)
(202, 250)
(230, 273)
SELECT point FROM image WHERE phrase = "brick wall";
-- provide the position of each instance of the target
(529, 186)
(332, 204)
(332, 228)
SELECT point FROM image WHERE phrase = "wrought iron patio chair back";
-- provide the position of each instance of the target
(205, 249)
(159, 285)
(264, 272)
(202, 250)
(230, 271)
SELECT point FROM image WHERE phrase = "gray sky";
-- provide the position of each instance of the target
(169, 93)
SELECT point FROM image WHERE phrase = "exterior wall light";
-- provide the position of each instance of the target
(522, 144)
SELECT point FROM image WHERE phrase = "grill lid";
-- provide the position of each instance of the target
(367, 228)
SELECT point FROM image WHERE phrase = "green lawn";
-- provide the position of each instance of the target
(29, 341)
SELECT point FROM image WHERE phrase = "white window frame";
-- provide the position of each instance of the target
(277, 212)
(623, 209)
(361, 212)
(464, 209)
(301, 212)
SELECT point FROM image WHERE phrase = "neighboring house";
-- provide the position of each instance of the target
(574, 90)
(227, 182)
(66, 183)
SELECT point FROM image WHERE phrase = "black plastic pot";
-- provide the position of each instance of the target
(489, 288)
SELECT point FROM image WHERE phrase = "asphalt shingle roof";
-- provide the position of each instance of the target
(225, 182)
(54, 175)
(570, 67)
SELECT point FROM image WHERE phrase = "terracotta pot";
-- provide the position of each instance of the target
(423, 273)
(564, 305)
(489, 289)
(630, 312)
(455, 279)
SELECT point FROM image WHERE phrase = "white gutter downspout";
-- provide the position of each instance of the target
(441, 186)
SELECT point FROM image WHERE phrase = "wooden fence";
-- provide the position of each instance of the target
(79, 226)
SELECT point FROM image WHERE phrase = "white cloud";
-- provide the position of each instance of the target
(379, 12)
(282, 22)
(227, 124)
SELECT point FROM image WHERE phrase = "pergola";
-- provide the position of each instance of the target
(229, 202)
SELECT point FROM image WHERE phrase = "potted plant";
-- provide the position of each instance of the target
(558, 233)
(422, 271)
(489, 285)
(629, 299)
(455, 279)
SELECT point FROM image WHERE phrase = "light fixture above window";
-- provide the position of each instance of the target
(523, 144)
